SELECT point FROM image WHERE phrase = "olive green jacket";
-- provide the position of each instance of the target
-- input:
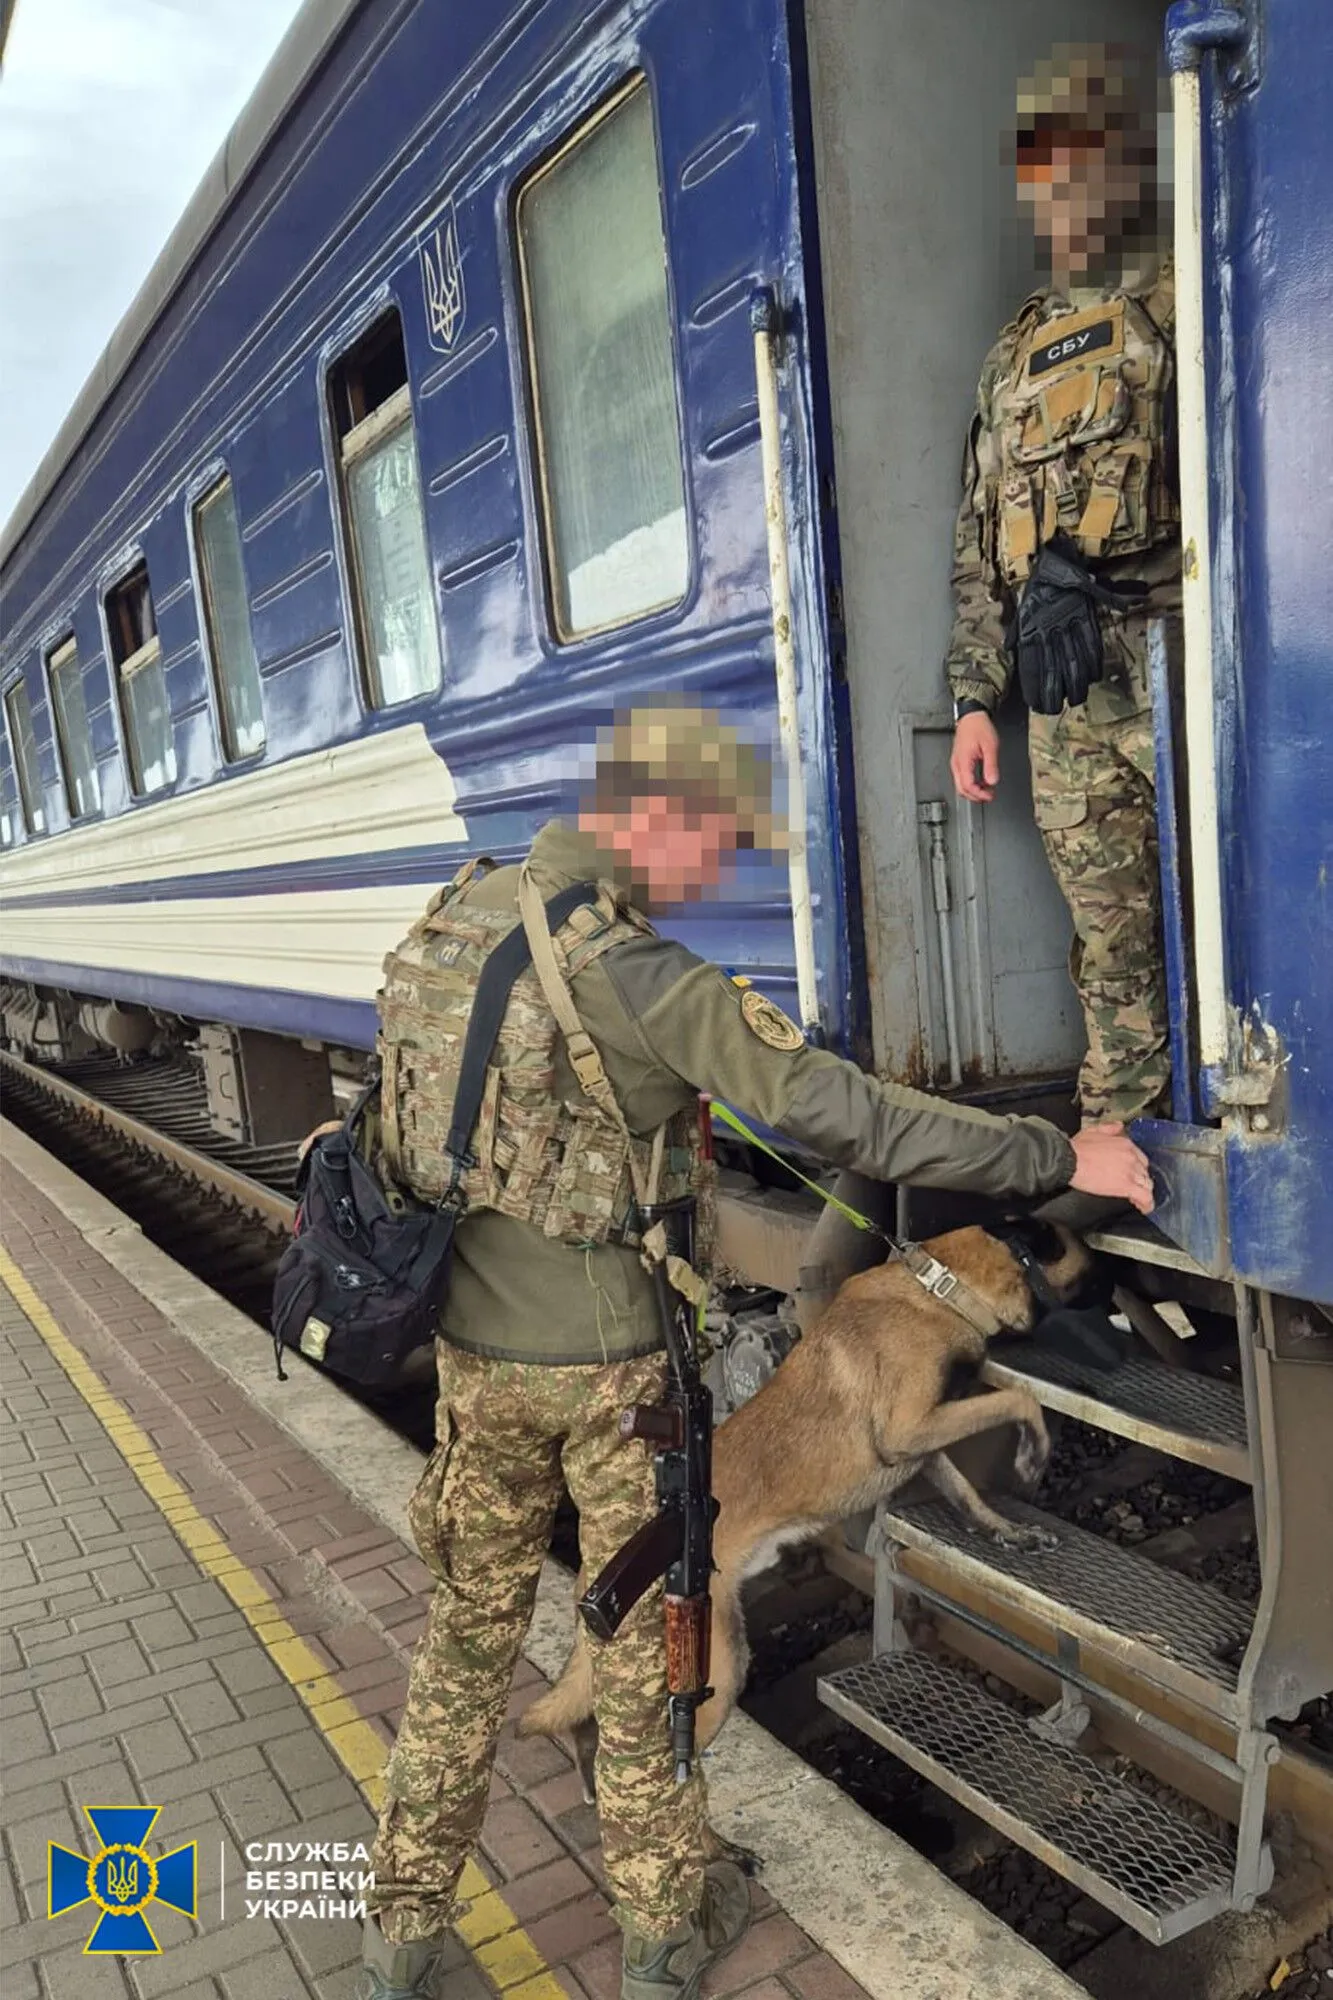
(669, 1025)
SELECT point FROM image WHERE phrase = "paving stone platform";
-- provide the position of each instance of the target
(209, 1601)
(132, 1675)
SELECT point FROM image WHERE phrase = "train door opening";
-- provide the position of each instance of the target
(924, 259)
(923, 262)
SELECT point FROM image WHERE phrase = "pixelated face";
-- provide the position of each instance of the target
(674, 851)
(676, 792)
(1085, 154)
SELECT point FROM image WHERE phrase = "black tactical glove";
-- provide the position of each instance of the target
(1057, 639)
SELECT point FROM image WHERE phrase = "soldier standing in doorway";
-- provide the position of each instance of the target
(1068, 544)
(550, 1329)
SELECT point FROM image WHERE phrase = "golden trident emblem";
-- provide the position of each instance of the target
(123, 1881)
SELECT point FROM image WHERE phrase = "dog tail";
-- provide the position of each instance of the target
(560, 1711)
(564, 1713)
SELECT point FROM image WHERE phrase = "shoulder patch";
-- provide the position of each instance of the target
(769, 1022)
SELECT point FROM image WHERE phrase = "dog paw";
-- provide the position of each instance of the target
(1034, 1448)
(1030, 1539)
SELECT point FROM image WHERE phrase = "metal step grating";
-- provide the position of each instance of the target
(1156, 1870)
(1193, 1417)
(1172, 1629)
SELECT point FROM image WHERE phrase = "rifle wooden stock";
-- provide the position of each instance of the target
(645, 1558)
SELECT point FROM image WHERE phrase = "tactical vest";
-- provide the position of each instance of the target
(1080, 433)
(544, 1152)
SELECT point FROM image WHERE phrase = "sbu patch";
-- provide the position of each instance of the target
(1072, 342)
(769, 1023)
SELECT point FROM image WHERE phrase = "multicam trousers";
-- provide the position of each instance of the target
(1094, 796)
(482, 1517)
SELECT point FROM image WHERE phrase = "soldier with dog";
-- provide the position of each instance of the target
(550, 1328)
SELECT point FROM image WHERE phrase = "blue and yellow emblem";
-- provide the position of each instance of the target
(122, 1879)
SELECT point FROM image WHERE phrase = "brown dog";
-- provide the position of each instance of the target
(874, 1393)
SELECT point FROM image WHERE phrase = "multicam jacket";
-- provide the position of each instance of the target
(1073, 431)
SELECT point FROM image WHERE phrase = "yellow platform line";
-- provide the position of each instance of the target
(493, 1934)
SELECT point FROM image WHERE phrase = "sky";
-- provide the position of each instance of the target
(110, 112)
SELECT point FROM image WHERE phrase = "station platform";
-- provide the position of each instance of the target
(209, 1603)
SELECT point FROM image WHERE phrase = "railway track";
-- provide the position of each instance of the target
(140, 1133)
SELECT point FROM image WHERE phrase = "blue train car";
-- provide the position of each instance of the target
(442, 429)
(417, 455)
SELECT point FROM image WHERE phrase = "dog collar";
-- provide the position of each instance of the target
(946, 1285)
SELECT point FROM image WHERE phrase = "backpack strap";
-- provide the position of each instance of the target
(362, 1099)
(347, 1130)
(583, 1055)
(504, 963)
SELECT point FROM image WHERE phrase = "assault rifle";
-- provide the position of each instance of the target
(678, 1542)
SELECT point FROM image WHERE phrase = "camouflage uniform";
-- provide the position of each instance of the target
(482, 1517)
(546, 1338)
(1099, 467)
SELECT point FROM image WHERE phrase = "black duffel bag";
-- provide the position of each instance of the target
(361, 1283)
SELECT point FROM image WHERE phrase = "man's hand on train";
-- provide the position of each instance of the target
(975, 763)
(329, 1125)
(1108, 1163)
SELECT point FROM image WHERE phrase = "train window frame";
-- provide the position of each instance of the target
(562, 631)
(29, 787)
(358, 428)
(207, 493)
(8, 795)
(56, 657)
(126, 667)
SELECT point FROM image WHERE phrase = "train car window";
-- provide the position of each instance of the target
(27, 764)
(593, 256)
(73, 736)
(136, 659)
(217, 541)
(397, 623)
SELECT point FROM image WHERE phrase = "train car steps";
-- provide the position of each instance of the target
(1190, 1416)
(1152, 1867)
(1094, 1612)
(1181, 1635)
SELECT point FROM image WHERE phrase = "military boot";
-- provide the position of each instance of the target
(399, 1971)
(670, 1968)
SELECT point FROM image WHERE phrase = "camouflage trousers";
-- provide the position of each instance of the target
(1094, 796)
(482, 1516)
